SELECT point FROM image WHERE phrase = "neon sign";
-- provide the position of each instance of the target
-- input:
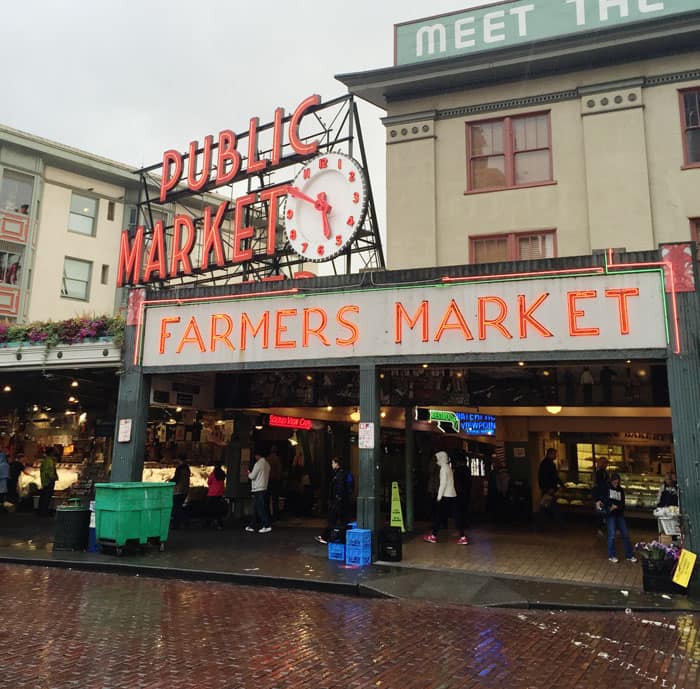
(476, 424)
(294, 422)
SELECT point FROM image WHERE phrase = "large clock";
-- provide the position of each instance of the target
(326, 205)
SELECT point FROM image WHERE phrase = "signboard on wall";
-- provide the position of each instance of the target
(505, 24)
(620, 311)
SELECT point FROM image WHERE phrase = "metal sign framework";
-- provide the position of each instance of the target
(336, 126)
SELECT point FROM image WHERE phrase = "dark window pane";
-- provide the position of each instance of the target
(488, 172)
(691, 103)
(692, 137)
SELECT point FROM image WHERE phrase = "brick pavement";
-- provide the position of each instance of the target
(64, 629)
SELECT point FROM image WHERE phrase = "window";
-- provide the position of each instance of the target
(16, 192)
(76, 278)
(104, 275)
(83, 211)
(690, 120)
(510, 152)
(514, 246)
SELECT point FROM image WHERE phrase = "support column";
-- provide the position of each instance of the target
(410, 452)
(368, 483)
(134, 393)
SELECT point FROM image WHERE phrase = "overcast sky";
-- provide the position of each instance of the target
(128, 79)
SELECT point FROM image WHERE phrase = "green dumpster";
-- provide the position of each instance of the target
(132, 513)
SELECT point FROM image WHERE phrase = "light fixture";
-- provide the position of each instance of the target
(178, 409)
(553, 408)
(7, 388)
(545, 372)
(293, 441)
(382, 414)
(521, 363)
(425, 365)
(459, 374)
(35, 408)
(72, 399)
(355, 415)
(642, 372)
(74, 384)
(381, 375)
(329, 408)
(309, 377)
(82, 418)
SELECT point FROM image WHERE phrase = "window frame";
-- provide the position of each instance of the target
(71, 212)
(509, 152)
(512, 244)
(687, 165)
(88, 283)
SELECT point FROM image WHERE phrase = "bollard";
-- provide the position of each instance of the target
(92, 534)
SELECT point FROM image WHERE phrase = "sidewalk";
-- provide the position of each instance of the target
(507, 567)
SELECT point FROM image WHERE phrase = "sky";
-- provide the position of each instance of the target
(129, 79)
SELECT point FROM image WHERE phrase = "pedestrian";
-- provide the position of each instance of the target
(337, 501)
(600, 487)
(16, 470)
(4, 478)
(216, 504)
(446, 496)
(48, 476)
(259, 477)
(549, 481)
(463, 487)
(668, 493)
(181, 479)
(614, 504)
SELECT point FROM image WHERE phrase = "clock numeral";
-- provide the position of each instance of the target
(320, 249)
(351, 176)
(350, 221)
(340, 163)
(338, 239)
(322, 163)
(307, 172)
(304, 247)
(290, 213)
(292, 234)
(356, 197)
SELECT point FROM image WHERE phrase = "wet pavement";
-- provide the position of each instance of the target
(288, 557)
(64, 629)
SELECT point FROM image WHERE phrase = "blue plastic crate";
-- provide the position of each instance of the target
(336, 551)
(358, 555)
(359, 538)
(352, 525)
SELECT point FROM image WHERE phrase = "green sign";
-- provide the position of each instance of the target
(507, 24)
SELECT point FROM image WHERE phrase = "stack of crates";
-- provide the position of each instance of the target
(336, 551)
(358, 547)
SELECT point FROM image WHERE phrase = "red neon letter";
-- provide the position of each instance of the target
(130, 258)
(192, 183)
(272, 195)
(170, 179)
(623, 313)
(575, 314)
(496, 322)
(164, 334)
(253, 164)
(227, 155)
(280, 329)
(182, 254)
(220, 337)
(400, 313)
(156, 262)
(277, 137)
(318, 330)
(294, 140)
(240, 233)
(264, 324)
(525, 316)
(212, 236)
(461, 324)
(350, 326)
(194, 338)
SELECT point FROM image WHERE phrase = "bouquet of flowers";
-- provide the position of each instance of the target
(657, 551)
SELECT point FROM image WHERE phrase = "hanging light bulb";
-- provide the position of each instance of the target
(355, 415)
(293, 441)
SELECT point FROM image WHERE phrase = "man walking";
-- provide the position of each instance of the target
(259, 477)
(48, 476)
(337, 501)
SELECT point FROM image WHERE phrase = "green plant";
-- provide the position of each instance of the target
(70, 331)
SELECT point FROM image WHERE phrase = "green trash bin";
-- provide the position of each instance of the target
(132, 513)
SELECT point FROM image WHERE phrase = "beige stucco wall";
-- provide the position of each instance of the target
(616, 168)
(53, 242)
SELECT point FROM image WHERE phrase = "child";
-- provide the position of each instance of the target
(614, 503)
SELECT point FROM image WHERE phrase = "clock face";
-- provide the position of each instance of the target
(326, 205)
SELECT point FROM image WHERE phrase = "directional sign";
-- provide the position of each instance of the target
(446, 421)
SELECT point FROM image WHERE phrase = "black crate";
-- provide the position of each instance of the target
(390, 544)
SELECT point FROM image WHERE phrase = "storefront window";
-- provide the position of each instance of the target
(16, 192)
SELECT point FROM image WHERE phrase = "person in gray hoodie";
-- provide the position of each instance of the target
(446, 497)
(259, 477)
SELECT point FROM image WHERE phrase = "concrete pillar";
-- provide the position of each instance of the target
(368, 483)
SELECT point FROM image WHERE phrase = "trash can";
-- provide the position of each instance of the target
(133, 512)
(390, 544)
(71, 527)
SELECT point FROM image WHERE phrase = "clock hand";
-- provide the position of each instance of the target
(323, 206)
(298, 194)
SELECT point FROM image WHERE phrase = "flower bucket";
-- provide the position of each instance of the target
(657, 576)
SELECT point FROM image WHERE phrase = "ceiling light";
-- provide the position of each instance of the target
(642, 372)
(72, 399)
(382, 414)
(545, 372)
(381, 375)
(553, 408)
(178, 409)
(74, 384)
(521, 363)
(329, 408)
(355, 415)
(7, 388)
(425, 365)
(459, 374)
(309, 377)
(293, 439)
